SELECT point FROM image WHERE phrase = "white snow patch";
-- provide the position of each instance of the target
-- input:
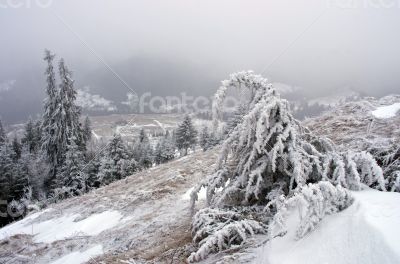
(367, 232)
(80, 257)
(9, 230)
(64, 227)
(202, 194)
(387, 111)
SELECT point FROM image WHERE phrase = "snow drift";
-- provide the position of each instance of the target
(367, 232)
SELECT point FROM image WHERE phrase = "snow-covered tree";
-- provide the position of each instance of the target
(116, 164)
(186, 135)
(312, 202)
(72, 174)
(389, 159)
(143, 151)
(165, 150)
(61, 118)
(269, 146)
(269, 153)
(92, 171)
(49, 144)
(13, 175)
(30, 138)
(236, 119)
(17, 149)
(6, 172)
(204, 139)
(217, 230)
(3, 137)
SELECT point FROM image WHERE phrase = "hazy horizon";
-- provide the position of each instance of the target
(171, 47)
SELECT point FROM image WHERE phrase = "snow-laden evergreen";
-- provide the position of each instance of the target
(3, 137)
(143, 151)
(49, 121)
(165, 150)
(216, 230)
(186, 135)
(313, 202)
(389, 159)
(31, 137)
(73, 176)
(116, 164)
(269, 152)
(236, 119)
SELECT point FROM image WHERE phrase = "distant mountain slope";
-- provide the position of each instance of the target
(353, 124)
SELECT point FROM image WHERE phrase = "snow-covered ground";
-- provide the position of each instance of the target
(354, 124)
(387, 111)
(80, 257)
(365, 233)
(144, 218)
(64, 227)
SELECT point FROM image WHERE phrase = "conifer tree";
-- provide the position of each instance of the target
(17, 149)
(6, 172)
(30, 139)
(204, 140)
(165, 150)
(93, 170)
(236, 119)
(61, 118)
(267, 157)
(3, 137)
(72, 175)
(186, 135)
(143, 152)
(116, 164)
(49, 120)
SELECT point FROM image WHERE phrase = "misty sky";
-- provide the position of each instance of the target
(173, 46)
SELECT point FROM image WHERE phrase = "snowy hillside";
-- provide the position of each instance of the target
(144, 217)
(361, 124)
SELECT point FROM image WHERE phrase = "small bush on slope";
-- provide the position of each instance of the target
(270, 152)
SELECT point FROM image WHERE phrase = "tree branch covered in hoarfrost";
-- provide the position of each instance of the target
(270, 152)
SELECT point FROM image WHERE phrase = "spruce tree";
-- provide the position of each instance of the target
(116, 164)
(6, 172)
(236, 119)
(72, 175)
(92, 170)
(186, 135)
(3, 137)
(165, 150)
(29, 140)
(50, 104)
(143, 152)
(61, 118)
(204, 140)
(17, 149)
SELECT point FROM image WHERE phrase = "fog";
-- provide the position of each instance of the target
(168, 47)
